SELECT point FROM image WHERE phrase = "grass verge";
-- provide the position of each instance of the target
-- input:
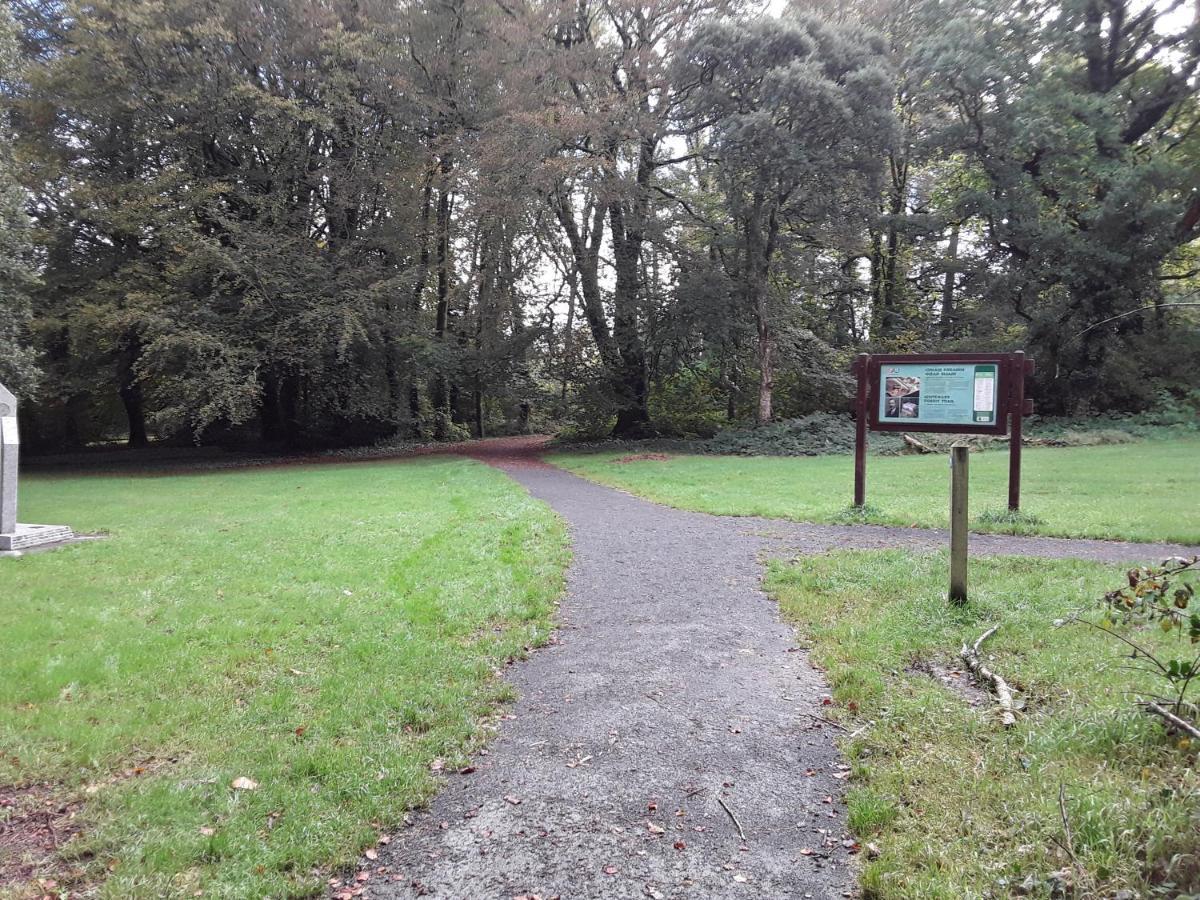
(325, 632)
(1129, 492)
(955, 805)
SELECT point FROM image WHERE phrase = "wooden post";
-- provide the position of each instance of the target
(1016, 410)
(959, 455)
(862, 367)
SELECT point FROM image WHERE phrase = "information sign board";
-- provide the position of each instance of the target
(939, 394)
(955, 393)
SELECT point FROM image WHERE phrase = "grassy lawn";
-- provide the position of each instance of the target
(325, 631)
(955, 805)
(1129, 491)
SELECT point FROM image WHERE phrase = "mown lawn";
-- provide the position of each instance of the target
(324, 631)
(1134, 491)
(953, 804)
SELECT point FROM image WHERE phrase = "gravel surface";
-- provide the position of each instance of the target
(673, 702)
(673, 688)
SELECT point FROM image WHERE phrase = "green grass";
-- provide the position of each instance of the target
(325, 631)
(1136, 492)
(956, 805)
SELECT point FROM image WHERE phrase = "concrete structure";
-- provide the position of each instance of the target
(14, 535)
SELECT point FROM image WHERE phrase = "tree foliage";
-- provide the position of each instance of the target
(345, 220)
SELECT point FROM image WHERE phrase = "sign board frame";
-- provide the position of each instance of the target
(1010, 407)
(875, 381)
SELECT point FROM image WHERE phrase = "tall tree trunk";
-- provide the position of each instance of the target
(627, 224)
(569, 333)
(948, 312)
(131, 393)
(760, 248)
(414, 389)
(135, 412)
(440, 395)
(886, 290)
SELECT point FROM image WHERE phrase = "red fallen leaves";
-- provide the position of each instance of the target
(610, 870)
(679, 845)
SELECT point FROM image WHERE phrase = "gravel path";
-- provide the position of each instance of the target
(673, 701)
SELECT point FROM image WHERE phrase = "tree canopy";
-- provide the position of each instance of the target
(347, 220)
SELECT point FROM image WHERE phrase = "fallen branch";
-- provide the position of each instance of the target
(741, 833)
(1178, 722)
(970, 655)
(919, 446)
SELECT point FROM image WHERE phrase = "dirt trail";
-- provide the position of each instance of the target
(674, 701)
(670, 744)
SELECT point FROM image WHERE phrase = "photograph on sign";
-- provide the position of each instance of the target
(939, 393)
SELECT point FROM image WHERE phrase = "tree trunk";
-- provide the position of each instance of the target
(759, 250)
(766, 372)
(947, 318)
(633, 414)
(441, 391)
(135, 412)
(131, 393)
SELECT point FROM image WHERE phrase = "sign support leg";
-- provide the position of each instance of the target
(860, 431)
(958, 523)
(1016, 411)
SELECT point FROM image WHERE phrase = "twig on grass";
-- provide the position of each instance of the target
(741, 833)
(1066, 824)
(1177, 721)
(970, 655)
(825, 721)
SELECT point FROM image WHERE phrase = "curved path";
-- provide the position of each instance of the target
(670, 743)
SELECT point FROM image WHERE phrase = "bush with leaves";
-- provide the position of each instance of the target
(1162, 596)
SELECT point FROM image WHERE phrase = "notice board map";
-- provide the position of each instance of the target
(939, 393)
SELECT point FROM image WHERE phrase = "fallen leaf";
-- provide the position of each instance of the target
(679, 845)
(244, 784)
(371, 854)
(610, 870)
(655, 829)
(208, 832)
(514, 800)
(437, 765)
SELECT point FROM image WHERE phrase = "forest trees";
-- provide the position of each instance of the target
(800, 119)
(1084, 174)
(338, 221)
(17, 360)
